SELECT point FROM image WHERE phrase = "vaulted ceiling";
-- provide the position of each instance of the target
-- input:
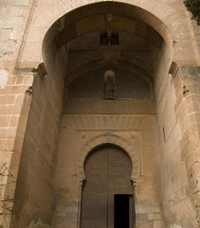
(133, 52)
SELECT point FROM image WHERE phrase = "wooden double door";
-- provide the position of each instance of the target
(107, 197)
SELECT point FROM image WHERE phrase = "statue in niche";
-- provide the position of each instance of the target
(109, 85)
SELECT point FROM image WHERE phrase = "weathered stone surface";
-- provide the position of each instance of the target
(3, 78)
(29, 130)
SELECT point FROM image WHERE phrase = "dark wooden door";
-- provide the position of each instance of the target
(108, 171)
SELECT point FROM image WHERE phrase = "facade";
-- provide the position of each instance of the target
(99, 114)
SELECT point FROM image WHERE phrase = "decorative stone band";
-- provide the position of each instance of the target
(109, 138)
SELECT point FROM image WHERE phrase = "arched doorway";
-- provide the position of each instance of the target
(88, 116)
(107, 197)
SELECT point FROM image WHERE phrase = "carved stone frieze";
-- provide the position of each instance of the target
(120, 122)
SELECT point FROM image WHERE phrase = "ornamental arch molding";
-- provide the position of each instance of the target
(106, 15)
(73, 74)
(156, 15)
(102, 16)
(112, 140)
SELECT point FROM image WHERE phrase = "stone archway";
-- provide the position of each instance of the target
(56, 69)
(115, 16)
(109, 139)
(54, 56)
(157, 17)
(101, 17)
(43, 122)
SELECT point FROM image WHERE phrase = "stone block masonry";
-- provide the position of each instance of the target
(31, 110)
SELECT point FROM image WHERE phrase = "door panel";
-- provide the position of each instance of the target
(120, 168)
(94, 197)
(108, 170)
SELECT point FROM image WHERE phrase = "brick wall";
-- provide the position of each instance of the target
(15, 103)
(14, 100)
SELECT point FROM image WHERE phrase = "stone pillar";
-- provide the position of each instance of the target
(79, 203)
(135, 202)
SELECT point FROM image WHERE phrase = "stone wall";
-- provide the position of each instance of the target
(197, 33)
(13, 28)
(176, 115)
(34, 196)
(15, 103)
(82, 132)
(187, 109)
(14, 100)
(175, 202)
